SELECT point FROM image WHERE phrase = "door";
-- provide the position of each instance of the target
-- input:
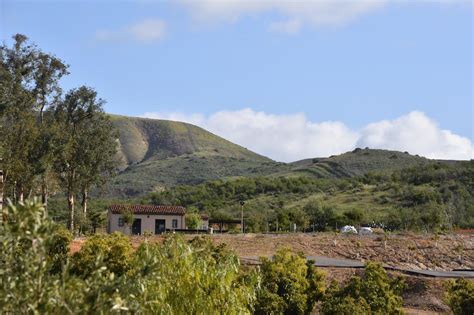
(137, 227)
(160, 226)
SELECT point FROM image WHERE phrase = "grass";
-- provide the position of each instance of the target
(357, 162)
(366, 200)
(155, 154)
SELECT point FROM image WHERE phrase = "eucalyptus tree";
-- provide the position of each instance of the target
(98, 145)
(47, 92)
(17, 115)
(29, 84)
(85, 145)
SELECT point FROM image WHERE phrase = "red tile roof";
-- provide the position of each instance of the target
(148, 209)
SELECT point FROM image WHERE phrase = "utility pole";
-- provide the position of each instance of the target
(242, 216)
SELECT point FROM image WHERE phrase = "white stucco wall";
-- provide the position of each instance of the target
(148, 222)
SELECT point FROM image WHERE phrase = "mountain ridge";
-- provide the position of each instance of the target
(154, 154)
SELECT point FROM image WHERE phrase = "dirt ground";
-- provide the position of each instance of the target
(414, 251)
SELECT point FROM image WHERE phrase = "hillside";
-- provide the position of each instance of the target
(356, 163)
(433, 196)
(154, 154)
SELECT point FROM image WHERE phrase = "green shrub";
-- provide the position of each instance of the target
(114, 250)
(290, 285)
(375, 290)
(337, 303)
(58, 248)
(174, 278)
(460, 297)
(24, 265)
(193, 221)
(188, 278)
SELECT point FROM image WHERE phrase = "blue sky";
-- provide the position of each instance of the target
(344, 63)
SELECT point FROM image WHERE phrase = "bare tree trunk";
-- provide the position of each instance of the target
(44, 184)
(14, 193)
(85, 198)
(1, 197)
(44, 192)
(70, 203)
(70, 198)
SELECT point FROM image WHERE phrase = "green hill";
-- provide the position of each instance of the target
(154, 154)
(356, 163)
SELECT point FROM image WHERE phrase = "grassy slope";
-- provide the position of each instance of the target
(143, 139)
(154, 154)
(158, 153)
(355, 163)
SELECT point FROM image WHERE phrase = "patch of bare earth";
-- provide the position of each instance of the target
(416, 251)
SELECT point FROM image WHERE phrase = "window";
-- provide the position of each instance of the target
(120, 222)
(174, 223)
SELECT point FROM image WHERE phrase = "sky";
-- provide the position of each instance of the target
(287, 79)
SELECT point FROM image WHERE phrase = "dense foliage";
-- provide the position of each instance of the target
(113, 250)
(265, 197)
(290, 285)
(196, 278)
(460, 297)
(193, 221)
(51, 143)
(375, 293)
(436, 196)
(105, 276)
(26, 283)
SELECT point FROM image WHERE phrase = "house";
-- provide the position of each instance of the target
(146, 218)
(150, 218)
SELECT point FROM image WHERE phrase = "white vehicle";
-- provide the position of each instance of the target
(365, 231)
(348, 229)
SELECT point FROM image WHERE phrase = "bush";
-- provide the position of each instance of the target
(188, 278)
(113, 251)
(460, 297)
(290, 285)
(174, 278)
(193, 221)
(354, 216)
(58, 248)
(25, 264)
(338, 303)
(375, 290)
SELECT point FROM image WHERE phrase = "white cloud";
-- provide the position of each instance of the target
(292, 14)
(293, 137)
(416, 133)
(149, 30)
